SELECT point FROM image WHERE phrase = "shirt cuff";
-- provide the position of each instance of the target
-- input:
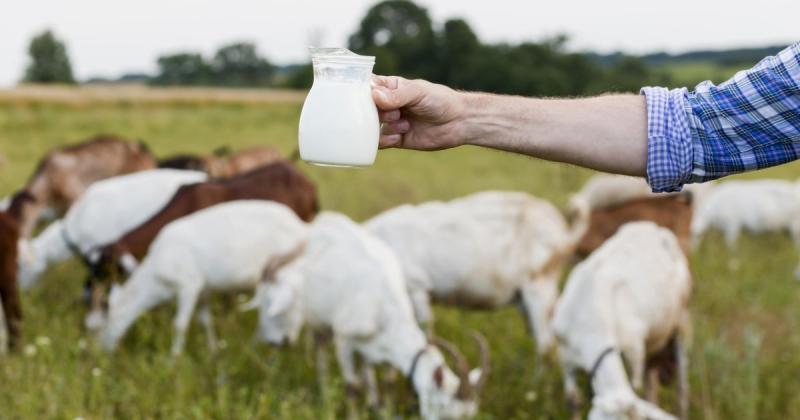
(669, 140)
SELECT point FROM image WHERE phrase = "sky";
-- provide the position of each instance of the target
(110, 37)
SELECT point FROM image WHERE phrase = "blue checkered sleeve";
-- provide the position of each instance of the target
(749, 122)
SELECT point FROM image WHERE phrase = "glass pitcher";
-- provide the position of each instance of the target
(339, 122)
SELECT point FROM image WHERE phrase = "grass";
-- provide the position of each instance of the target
(745, 356)
(690, 73)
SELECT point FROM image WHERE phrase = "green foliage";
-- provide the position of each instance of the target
(240, 65)
(49, 60)
(236, 64)
(403, 30)
(745, 351)
(183, 69)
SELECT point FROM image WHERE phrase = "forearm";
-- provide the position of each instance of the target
(607, 133)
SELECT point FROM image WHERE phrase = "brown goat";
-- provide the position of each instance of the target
(673, 211)
(223, 163)
(279, 181)
(9, 292)
(65, 173)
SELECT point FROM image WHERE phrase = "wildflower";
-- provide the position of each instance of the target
(29, 350)
(82, 344)
(42, 341)
(96, 372)
(530, 396)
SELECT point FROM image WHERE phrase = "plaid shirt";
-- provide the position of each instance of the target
(749, 122)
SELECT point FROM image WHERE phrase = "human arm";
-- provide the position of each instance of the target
(607, 133)
(749, 122)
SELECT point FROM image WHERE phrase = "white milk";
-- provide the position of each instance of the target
(339, 124)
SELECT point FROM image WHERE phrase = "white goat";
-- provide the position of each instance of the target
(628, 298)
(758, 206)
(483, 250)
(349, 282)
(107, 209)
(221, 248)
(604, 190)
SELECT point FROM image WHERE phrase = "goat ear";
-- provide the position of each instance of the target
(358, 318)
(438, 377)
(281, 301)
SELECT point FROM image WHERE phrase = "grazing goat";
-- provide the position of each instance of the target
(628, 298)
(604, 190)
(108, 209)
(66, 172)
(9, 293)
(279, 181)
(221, 248)
(484, 250)
(757, 206)
(222, 163)
(348, 282)
(672, 211)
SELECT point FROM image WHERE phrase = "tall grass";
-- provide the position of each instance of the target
(745, 355)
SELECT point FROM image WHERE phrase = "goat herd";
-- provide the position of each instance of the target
(152, 231)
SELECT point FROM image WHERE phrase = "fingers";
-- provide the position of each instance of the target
(396, 127)
(389, 116)
(393, 92)
(392, 140)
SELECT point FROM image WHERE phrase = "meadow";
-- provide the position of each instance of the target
(744, 359)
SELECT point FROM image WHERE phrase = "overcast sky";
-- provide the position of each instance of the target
(109, 37)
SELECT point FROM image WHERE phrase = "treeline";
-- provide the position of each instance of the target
(406, 42)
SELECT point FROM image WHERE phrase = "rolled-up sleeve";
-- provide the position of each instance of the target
(669, 142)
(749, 122)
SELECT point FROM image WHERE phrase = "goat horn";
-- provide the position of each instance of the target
(483, 346)
(280, 261)
(462, 367)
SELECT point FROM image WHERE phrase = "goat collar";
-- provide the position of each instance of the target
(414, 363)
(599, 362)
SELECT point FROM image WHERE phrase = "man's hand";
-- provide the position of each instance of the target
(417, 114)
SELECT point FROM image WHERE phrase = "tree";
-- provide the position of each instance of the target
(49, 60)
(239, 65)
(400, 34)
(458, 45)
(183, 69)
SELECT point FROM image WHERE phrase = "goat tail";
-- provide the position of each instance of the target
(277, 263)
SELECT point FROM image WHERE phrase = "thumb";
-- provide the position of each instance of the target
(395, 92)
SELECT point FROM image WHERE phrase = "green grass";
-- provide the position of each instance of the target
(745, 357)
(690, 73)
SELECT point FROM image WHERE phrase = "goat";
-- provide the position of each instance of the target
(605, 190)
(223, 163)
(66, 172)
(672, 211)
(346, 281)
(759, 206)
(483, 251)
(9, 293)
(108, 209)
(279, 181)
(628, 298)
(221, 248)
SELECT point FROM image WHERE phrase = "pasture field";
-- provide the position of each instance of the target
(745, 355)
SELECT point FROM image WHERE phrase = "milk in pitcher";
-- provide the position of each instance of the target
(339, 122)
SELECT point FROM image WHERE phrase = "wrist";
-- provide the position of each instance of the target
(472, 107)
